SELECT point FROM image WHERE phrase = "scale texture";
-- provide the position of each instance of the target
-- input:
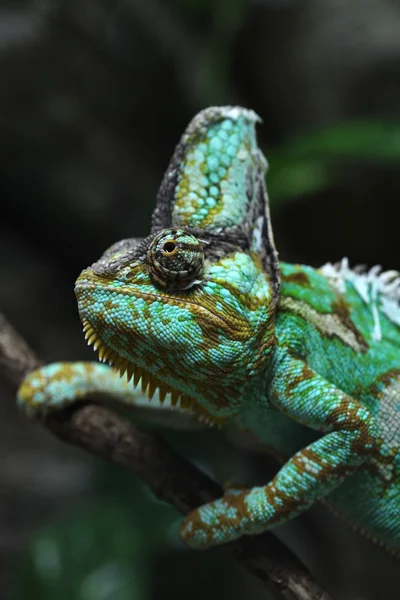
(206, 319)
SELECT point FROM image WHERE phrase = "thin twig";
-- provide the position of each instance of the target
(174, 480)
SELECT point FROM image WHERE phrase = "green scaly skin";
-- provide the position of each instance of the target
(307, 360)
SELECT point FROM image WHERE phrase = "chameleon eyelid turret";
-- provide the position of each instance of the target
(175, 260)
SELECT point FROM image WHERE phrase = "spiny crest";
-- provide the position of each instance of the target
(378, 289)
(148, 382)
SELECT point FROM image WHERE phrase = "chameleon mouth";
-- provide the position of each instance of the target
(149, 383)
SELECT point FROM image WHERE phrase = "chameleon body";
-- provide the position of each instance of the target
(204, 315)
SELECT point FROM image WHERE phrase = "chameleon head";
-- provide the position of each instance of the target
(179, 315)
(188, 309)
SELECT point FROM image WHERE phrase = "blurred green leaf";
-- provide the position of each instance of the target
(298, 178)
(100, 552)
(374, 139)
(309, 163)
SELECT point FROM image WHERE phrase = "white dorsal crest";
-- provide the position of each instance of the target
(378, 289)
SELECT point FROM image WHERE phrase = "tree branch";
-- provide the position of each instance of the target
(174, 480)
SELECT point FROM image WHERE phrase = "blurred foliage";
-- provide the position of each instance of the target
(108, 548)
(310, 163)
(101, 551)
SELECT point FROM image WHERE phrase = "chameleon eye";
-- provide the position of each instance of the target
(175, 259)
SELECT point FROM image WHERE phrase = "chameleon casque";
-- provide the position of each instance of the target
(202, 312)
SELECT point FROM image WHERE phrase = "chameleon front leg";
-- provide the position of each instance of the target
(58, 385)
(350, 439)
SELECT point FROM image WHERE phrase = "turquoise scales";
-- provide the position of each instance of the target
(204, 316)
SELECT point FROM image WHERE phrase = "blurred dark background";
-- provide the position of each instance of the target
(94, 95)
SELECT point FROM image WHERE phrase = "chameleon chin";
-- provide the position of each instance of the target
(202, 315)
